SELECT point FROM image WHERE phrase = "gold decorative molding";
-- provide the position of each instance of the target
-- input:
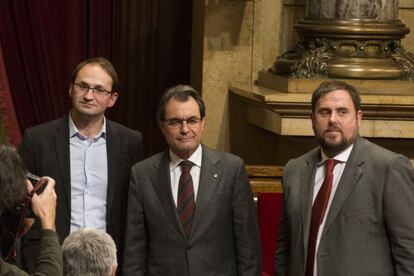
(284, 83)
(339, 39)
(360, 49)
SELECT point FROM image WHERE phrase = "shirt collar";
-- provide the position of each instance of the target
(73, 130)
(195, 158)
(342, 157)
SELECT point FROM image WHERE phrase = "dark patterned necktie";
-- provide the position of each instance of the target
(318, 212)
(185, 199)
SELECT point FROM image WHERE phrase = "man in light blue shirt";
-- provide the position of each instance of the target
(89, 156)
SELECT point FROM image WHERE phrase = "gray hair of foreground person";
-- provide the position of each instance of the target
(89, 252)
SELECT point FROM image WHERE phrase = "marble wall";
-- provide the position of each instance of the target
(352, 9)
(235, 39)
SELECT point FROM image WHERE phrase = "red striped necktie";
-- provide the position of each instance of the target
(318, 213)
(185, 199)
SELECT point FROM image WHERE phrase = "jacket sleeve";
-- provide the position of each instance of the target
(398, 206)
(135, 255)
(49, 261)
(245, 225)
(283, 242)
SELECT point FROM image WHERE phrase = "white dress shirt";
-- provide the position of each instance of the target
(175, 171)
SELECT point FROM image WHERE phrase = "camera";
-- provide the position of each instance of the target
(39, 185)
(24, 208)
(11, 221)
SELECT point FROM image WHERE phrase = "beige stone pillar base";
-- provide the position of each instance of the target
(284, 83)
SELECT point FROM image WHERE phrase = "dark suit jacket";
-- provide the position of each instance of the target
(45, 151)
(224, 239)
(369, 229)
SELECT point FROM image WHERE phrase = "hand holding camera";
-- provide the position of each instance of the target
(44, 204)
(40, 202)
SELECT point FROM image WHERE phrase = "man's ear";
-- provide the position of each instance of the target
(312, 117)
(70, 90)
(359, 118)
(203, 122)
(161, 126)
(114, 97)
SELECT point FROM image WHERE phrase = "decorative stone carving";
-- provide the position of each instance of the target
(357, 39)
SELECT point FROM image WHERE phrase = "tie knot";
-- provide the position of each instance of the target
(186, 165)
(330, 164)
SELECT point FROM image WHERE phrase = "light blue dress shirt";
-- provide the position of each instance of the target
(89, 179)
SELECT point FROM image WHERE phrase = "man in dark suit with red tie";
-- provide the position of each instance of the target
(347, 204)
(190, 209)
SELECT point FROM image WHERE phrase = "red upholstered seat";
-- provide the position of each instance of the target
(269, 207)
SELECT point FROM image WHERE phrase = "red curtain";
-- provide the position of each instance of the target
(152, 53)
(148, 41)
(8, 114)
(42, 42)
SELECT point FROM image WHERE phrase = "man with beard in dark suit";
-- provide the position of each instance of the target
(348, 203)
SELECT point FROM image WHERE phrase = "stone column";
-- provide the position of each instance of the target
(352, 9)
(357, 39)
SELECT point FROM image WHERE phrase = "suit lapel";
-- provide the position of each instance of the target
(162, 184)
(209, 178)
(112, 152)
(307, 179)
(61, 138)
(350, 177)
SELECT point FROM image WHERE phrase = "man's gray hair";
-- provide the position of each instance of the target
(88, 252)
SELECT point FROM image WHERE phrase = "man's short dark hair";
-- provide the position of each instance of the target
(329, 86)
(105, 65)
(180, 93)
(12, 178)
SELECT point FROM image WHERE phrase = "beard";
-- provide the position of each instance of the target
(332, 147)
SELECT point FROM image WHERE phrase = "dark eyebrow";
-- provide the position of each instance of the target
(87, 84)
(175, 118)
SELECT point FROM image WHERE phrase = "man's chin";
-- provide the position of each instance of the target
(332, 146)
(333, 135)
(184, 152)
(186, 144)
(88, 112)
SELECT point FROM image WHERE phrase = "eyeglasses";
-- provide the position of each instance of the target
(176, 123)
(84, 88)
